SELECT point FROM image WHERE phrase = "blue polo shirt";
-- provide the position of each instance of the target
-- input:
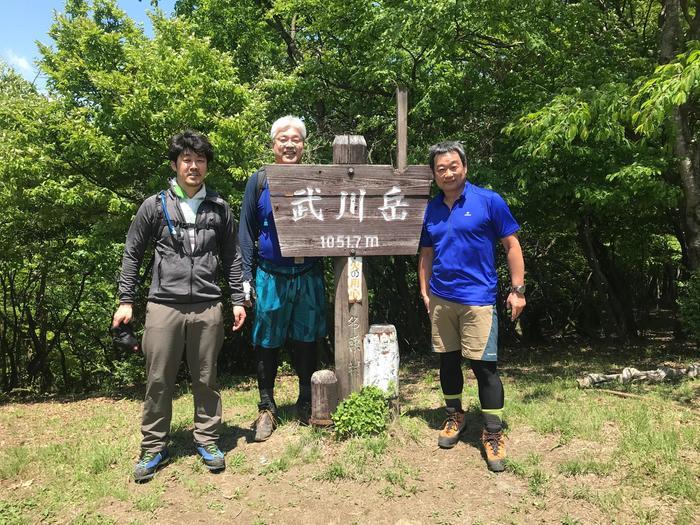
(464, 241)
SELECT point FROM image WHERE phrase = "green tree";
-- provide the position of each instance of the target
(83, 157)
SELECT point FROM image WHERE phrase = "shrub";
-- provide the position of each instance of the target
(362, 414)
(689, 306)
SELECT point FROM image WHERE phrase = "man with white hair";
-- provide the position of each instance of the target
(290, 303)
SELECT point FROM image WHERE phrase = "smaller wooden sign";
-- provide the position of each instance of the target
(355, 280)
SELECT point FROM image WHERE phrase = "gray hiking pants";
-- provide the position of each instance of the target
(170, 329)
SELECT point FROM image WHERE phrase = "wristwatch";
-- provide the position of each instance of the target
(518, 289)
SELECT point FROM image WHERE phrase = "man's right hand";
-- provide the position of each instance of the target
(426, 302)
(123, 314)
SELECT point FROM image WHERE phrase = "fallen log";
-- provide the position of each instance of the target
(632, 375)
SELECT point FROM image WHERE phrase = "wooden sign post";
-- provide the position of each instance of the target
(351, 317)
(347, 210)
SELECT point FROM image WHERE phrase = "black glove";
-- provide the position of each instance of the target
(124, 339)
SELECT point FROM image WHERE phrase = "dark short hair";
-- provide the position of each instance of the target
(446, 147)
(190, 140)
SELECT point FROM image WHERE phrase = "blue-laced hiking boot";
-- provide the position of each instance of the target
(146, 468)
(213, 457)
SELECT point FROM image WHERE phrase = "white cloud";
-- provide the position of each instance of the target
(18, 62)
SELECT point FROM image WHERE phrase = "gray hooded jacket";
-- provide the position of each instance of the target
(180, 274)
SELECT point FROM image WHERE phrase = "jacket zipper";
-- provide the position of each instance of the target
(187, 250)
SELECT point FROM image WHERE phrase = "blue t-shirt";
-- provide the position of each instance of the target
(464, 241)
(257, 224)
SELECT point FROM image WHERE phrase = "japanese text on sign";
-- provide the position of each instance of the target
(308, 204)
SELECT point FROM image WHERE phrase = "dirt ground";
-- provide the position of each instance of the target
(451, 486)
(412, 482)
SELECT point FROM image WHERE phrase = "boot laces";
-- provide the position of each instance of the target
(494, 440)
(267, 413)
(147, 457)
(212, 449)
(452, 422)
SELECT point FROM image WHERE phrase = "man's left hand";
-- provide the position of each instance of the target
(516, 302)
(238, 317)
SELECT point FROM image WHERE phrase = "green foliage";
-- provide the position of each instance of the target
(689, 306)
(81, 159)
(561, 107)
(670, 86)
(361, 414)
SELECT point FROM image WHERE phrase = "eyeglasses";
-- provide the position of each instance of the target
(284, 140)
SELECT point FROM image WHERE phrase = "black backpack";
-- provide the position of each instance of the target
(160, 222)
(260, 183)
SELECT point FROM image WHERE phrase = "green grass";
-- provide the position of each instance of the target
(402, 477)
(608, 501)
(13, 462)
(580, 467)
(411, 428)
(637, 452)
(529, 469)
(151, 498)
(334, 471)
(361, 459)
(302, 451)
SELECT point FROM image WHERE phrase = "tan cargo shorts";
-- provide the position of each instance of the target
(471, 329)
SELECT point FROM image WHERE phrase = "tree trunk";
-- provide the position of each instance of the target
(622, 327)
(38, 366)
(685, 150)
(64, 367)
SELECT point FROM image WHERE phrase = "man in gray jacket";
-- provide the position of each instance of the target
(194, 236)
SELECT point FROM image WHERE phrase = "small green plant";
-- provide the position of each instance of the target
(13, 462)
(537, 482)
(333, 472)
(578, 467)
(568, 520)
(305, 450)
(362, 414)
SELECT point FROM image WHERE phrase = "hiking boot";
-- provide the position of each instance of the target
(149, 462)
(211, 455)
(303, 413)
(264, 425)
(495, 449)
(452, 428)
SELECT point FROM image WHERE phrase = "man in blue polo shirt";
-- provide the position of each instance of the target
(458, 284)
(290, 306)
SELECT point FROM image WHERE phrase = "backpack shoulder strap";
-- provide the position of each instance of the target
(260, 183)
(157, 224)
(219, 205)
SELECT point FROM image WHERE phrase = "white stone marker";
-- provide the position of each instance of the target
(381, 358)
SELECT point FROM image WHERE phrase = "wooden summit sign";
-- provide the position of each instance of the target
(348, 209)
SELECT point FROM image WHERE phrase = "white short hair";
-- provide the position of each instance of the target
(286, 122)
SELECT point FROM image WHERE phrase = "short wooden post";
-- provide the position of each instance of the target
(324, 397)
(351, 319)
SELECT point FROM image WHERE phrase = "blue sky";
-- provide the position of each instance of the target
(26, 21)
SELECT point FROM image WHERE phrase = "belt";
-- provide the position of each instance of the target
(291, 275)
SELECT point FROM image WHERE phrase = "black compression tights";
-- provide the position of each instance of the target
(304, 363)
(303, 360)
(267, 366)
(452, 381)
